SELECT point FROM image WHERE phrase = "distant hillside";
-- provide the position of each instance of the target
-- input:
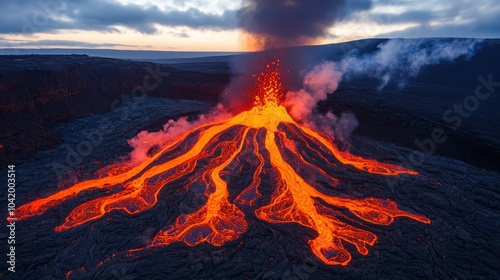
(40, 91)
(120, 54)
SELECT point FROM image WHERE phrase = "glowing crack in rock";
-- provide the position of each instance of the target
(268, 133)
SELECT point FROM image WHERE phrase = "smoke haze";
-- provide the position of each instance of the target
(317, 84)
(145, 141)
(395, 59)
(401, 59)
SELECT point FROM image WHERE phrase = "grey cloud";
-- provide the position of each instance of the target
(32, 16)
(351, 7)
(479, 19)
(29, 17)
(484, 29)
(410, 16)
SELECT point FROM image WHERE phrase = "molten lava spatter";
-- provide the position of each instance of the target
(220, 219)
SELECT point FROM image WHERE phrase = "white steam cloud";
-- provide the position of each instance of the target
(402, 59)
(394, 60)
(317, 84)
(143, 142)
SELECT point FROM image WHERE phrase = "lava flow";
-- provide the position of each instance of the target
(265, 138)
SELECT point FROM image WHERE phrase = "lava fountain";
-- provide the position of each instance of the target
(266, 136)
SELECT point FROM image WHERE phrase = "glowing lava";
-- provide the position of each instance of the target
(266, 134)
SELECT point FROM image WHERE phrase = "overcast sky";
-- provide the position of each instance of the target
(208, 25)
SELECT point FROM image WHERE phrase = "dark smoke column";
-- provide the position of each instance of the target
(284, 23)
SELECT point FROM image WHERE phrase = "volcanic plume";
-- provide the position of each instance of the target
(271, 145)
(274, 27)
(274, 24)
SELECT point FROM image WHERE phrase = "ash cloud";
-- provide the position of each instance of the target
(282, 23)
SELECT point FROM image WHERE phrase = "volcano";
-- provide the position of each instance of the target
(264, 141)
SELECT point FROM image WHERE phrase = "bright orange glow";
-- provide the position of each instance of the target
(267, 134)
(258, 42)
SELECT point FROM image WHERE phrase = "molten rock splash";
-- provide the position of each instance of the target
(267, 135)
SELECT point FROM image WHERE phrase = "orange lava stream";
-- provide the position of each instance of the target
(251, 193)
(221, 220)
(295, 202)
(216, 223)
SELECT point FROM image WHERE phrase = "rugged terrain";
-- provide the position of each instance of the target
(40, 91)
(461, 201)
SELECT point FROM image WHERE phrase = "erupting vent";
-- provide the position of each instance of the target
(265, 138)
